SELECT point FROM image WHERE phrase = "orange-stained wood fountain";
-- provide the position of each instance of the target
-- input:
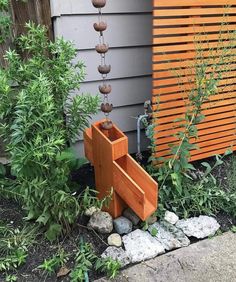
(114, 168)
(106, 147)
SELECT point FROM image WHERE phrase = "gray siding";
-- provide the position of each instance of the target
(129, 36)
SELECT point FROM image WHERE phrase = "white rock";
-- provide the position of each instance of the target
(101, 222)
(114, 240)
(117, 254)
(169, 236)
(199, 227)
(171, 217)
(89, 212)
(140, 246)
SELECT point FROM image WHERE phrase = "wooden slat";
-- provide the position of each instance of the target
(193, 21)
(190, 55)
(176, 28)
(169, 119)
(179, 3)
(193, 12)
(190, 38)
(215, 117)
(201, 126)
(202, 141)
(184, 78)
(225, 145)
(211, 153)
(208, 131)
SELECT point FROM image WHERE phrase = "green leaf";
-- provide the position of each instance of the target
(207, 166)
(154, 232)
(233, 229)
(53, 232)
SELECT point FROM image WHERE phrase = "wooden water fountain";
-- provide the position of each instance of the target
(106, 147)
(114, 168)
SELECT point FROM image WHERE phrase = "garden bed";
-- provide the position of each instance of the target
(42, 249)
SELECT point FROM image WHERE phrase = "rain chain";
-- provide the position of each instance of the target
(104, 69)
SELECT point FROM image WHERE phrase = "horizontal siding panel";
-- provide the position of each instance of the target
(193, 12)
(72, 7)
(122, 31)
(125, 62)
(127, 91)
(129, 36)
(124, 117)
(79, 146)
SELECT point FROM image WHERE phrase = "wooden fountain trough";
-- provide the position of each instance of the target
(114, 168)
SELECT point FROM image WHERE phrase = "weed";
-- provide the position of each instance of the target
(233, 229)
(154, 232)
(14, 244)
(51, 265)
(109, 266)
(11, 278)
(86, 260)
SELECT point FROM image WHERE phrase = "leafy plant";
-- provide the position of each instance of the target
(39, 118)
(86, 260)
(14, 245)
(204, 74)
(203, 196)
(53, 264)
(154, 231)
(233, 229)
(11, 278)
(109, 266)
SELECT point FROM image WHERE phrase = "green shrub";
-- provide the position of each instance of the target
(39, 119)
(205, 73)
(197, 197)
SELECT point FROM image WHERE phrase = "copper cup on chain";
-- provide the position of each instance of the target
(100, 27)
(99, 3)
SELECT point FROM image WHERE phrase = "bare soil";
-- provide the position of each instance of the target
(10, 211)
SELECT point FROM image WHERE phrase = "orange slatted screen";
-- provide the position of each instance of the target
(176, 25)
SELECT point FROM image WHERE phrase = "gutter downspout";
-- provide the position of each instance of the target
(147, 106)
(139, 120)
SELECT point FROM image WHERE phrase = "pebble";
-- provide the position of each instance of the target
(152, 219)
(114, 240)
(90, 211)
(171, 217)
(122, 225)
(101, 222)
(131, 215)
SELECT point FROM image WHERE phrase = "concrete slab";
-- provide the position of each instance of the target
(210, 260)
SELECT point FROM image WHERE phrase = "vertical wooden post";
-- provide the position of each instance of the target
(104, 154)
(37, 11)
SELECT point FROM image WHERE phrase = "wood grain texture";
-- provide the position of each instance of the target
(33, 10)
(177, 25)
(115, 169)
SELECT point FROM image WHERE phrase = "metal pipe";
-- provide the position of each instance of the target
(140, 118)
